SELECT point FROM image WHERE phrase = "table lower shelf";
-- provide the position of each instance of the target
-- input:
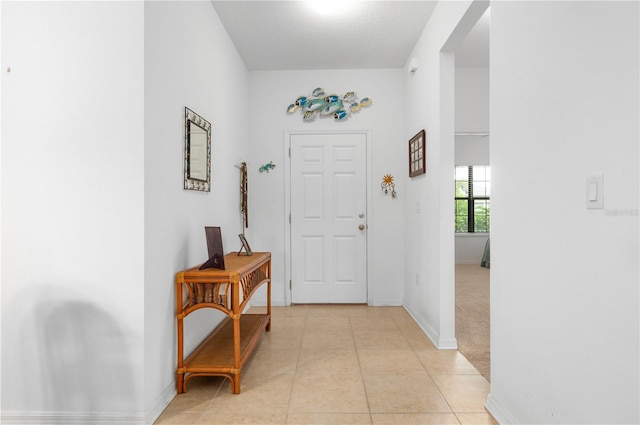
(215, 355)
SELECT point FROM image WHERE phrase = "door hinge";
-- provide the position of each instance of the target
(289, 218)
(289, 284)
(289, 152)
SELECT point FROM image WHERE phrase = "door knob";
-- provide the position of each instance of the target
(361, 215)
(361, 227)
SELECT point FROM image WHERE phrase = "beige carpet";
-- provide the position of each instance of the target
(472, 315)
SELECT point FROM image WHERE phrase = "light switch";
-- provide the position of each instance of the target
(595, 191)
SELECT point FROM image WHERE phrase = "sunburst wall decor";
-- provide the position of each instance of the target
(388, 185)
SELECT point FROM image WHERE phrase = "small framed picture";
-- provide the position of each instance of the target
(416, 154)
(245, 245)
(214, 248)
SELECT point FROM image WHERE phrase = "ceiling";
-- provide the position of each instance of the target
(291, 35)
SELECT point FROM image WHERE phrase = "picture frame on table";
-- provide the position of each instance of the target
(245, 245)
(214, 248)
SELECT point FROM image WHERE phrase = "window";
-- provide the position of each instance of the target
(473, 204)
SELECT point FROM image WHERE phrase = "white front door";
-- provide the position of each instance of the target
(328, 218)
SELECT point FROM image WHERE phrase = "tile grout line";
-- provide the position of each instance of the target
(429, 375)
(355, 319)
(295, 372)
(364, 386)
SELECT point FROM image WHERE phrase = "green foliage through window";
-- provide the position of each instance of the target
(473, 204)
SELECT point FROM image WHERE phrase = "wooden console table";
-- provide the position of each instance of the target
(227, 348)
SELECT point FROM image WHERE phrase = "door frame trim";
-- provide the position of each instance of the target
(287, 207)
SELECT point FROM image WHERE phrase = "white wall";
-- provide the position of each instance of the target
(564, 292)
(472, 116)
(93, 213)
(470, 247)
(472, 149)
(429, 105)
(72, 212)
(472, 99)
(271, 94)
(189, 61)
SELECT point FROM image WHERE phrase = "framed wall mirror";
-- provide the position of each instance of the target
(197, 152)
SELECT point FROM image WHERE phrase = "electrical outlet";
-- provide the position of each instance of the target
(417, 279)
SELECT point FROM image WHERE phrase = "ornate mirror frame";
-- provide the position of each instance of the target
(197, 152)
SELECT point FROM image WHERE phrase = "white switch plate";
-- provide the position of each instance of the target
(595, 191)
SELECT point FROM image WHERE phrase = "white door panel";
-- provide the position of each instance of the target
(328, 205)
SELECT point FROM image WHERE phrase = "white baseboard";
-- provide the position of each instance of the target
(92, 418)
(161, 403)
(433, 335)
(72, 418)
(448, 344)
(274, 303)
(498, 413)
(390, 302)
(428, 330)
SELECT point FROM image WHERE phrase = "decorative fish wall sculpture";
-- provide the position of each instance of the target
(319, 103)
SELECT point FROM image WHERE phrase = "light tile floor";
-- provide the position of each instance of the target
(340, 365)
